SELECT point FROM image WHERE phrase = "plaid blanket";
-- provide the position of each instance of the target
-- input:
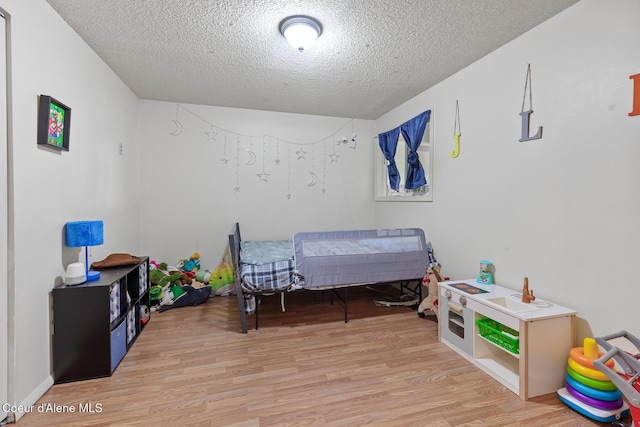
(273, 276)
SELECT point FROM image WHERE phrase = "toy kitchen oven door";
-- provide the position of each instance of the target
(457, 326)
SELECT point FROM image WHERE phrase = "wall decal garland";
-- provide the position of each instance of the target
(277, 160)
(263, 176)
(178, 125)
(314, 177)
(252, 154)
(289, 176)
(526, 115)
(224, 159)
(252, 151)
(236, 189)
(324, 167)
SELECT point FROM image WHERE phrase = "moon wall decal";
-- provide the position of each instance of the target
(178, 129)
(252, 158)
(314, 179)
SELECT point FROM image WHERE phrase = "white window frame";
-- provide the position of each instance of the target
(384, 193)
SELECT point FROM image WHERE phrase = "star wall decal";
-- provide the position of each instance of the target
(224, 161)
(264, 177)
(211, 135)
(236, 189)
(301, 153)
(334, 158)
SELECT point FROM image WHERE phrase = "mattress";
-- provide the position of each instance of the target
(360, 246)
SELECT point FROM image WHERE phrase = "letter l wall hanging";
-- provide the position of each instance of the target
(526, 115)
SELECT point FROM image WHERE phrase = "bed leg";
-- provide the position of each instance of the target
(346, 304)
(241, 309)
(255, 302)
(415, 291)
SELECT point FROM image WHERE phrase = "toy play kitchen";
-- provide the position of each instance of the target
(518, 339)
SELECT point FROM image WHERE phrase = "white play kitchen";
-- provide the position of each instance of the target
(523, 345)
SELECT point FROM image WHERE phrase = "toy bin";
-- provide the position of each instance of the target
(499, 334)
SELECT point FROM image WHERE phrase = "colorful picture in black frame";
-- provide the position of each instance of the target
(54, 119)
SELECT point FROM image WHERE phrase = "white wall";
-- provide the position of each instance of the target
(189, 202)
(563, 210)
(50, 188)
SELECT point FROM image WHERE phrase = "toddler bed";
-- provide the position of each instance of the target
(328, 260)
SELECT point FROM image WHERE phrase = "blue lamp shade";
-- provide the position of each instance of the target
(85, 233)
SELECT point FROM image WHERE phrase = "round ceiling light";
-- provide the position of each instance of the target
(300, 31)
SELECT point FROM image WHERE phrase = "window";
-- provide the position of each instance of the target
(385, 193)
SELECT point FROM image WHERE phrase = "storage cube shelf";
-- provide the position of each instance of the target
(132, 325)
(114, 301)
(95, 323)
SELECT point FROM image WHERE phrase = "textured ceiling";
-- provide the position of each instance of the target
(371, 57)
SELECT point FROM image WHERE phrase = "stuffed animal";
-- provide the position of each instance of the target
(192, 264)
(177, 290)
(170, 294)
(163, 278)
(221, 280)
(197, 285)
(167, 296)
(203, 276)
(186, 277)
(155, 294)
(190, 297)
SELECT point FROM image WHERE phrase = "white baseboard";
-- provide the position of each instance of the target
(33, 397)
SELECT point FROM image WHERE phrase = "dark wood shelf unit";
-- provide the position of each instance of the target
(95, 323)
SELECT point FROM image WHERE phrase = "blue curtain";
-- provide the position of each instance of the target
(388, 143)
(412, 132)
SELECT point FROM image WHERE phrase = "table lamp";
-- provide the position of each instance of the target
(85, 233)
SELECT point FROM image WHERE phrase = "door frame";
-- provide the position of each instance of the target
(6, 235)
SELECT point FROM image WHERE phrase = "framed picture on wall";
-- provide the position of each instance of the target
(54, 120)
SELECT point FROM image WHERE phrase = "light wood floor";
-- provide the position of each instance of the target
(192, 366)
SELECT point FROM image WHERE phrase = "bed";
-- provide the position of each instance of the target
(327, 260)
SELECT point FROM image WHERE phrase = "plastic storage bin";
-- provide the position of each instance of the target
(499, 334)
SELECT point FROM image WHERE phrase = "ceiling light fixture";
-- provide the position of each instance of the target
(300, 31)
